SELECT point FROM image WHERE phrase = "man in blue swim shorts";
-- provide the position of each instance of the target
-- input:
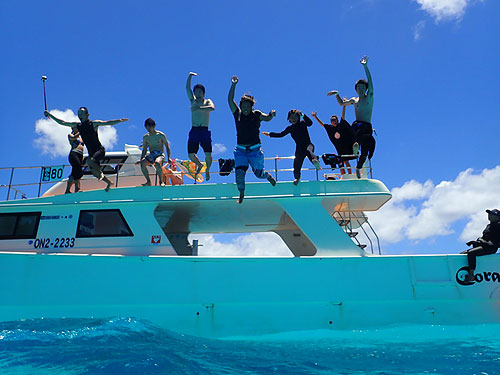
(155, 141)
(248, 150)
(199, 133)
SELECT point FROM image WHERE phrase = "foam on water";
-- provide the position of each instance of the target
(130, 346)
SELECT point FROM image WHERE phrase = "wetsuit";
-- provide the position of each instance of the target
(91, 139)
(363, 134)
(248, 148)
(75, 158)
(341, 136)
(487, 244)
(303, 145)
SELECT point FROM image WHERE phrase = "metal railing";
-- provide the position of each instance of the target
(16, 187)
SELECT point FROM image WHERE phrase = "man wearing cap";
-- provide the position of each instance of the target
(487, 244)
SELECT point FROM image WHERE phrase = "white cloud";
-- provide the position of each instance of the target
(254, 244)
(52, 138)
(218, 148)
(421, 211)
(444, 9)
(417, 31)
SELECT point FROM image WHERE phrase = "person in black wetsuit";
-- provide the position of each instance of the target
(303, 145)
(88, 132)
(75, 158)
(341, 135)
(248, 147)
(487, 244)
(363, 108)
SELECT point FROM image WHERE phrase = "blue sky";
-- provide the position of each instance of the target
(434, 65)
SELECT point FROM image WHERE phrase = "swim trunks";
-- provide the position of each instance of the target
(199, 135)
(153, 155)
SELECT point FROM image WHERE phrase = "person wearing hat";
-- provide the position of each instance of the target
(487, 244)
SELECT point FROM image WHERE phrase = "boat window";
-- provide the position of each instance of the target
(102, 223)
(116, 163)
(19, 225)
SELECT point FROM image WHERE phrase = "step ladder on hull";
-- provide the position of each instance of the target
(351, 220)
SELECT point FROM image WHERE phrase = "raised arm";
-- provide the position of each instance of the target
(188, 86)
(230, 95)
(268, 117)
(343, 112)
(59, 121)
(109, 122)
(364, 62)
(314, 114)
(342, 102)
(306, 119)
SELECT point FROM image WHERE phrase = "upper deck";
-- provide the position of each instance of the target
(312, 218)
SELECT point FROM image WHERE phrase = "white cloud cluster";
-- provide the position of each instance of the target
(444, 9)
(420, 211)
(52, 138)
(218, 148)
(254, 244)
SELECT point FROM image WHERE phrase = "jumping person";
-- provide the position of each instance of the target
(303, 145)
(341, 135)
(155, 141)
(88, 132)
(363, 107)
(199, 133)
(487, 244)
(75, 158)
(248, 147)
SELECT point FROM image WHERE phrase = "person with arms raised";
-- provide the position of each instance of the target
(88, 132)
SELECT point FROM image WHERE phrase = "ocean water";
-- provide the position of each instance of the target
(130, 346)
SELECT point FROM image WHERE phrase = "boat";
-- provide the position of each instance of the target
(127, 253)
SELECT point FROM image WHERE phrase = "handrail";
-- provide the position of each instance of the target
(117, 166)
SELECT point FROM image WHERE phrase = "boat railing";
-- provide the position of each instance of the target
(27, 184)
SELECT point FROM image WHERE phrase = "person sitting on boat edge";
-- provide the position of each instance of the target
(363, 108)
(342, 137)
(155, 141)
(248, 146)
(90, 136)
(75, 158)
(199, 133)
(303, 145)
(487, 244)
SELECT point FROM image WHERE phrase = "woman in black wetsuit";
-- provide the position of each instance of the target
(303, 145)
(341, 135)
(75, 158)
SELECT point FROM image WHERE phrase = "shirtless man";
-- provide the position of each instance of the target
(88, 132)
(199, 133)
(363, 107)
(155, 141)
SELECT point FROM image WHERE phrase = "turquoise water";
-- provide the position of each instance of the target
(129, 346)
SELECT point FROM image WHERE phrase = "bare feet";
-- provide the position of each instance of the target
(242, 195)
(271, 180)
